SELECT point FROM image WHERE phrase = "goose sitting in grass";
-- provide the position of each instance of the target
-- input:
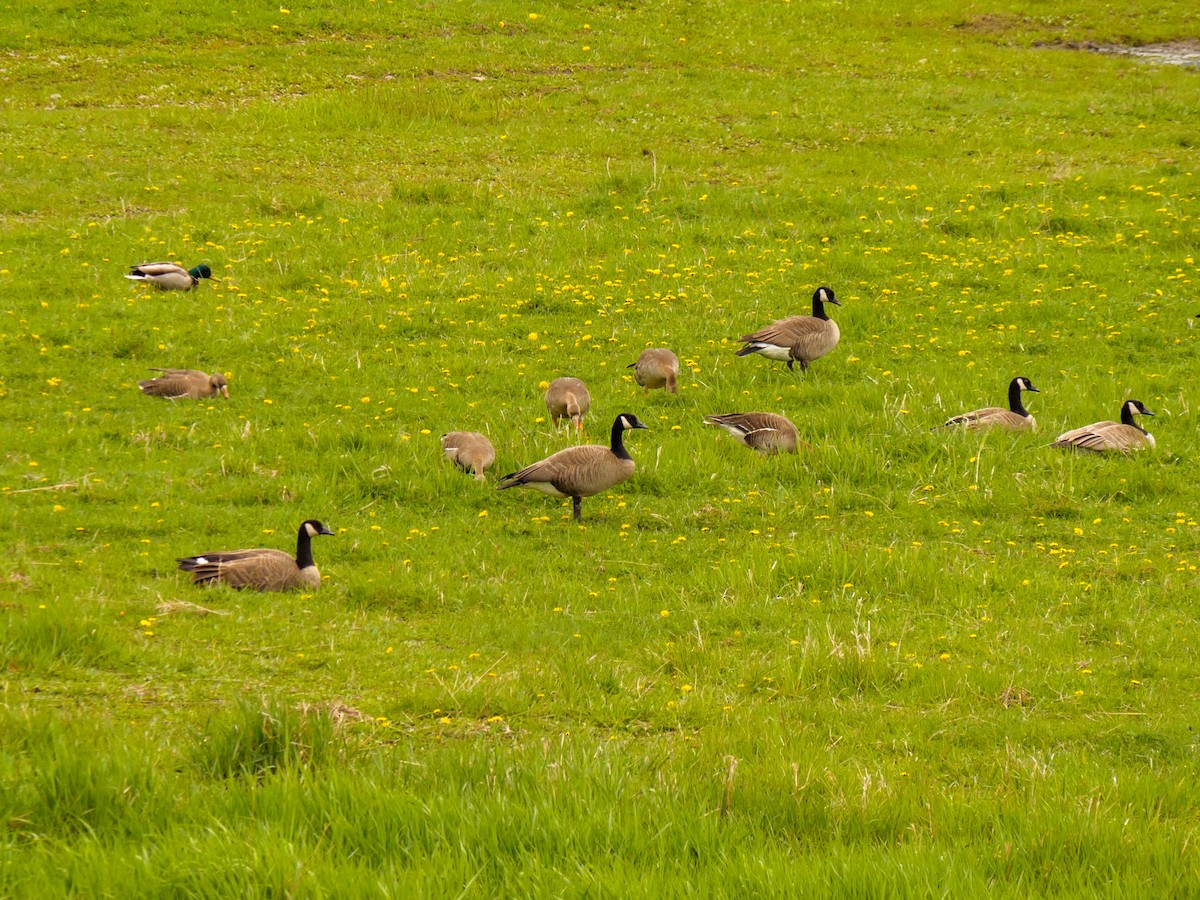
(797, 338)
(189, 384)
(1015, 418)
(656, 367)
(762, 431)
(170, 277)
(568, 398)
(470, 451)
(583, 471)
(1115, 437)
(261, 569)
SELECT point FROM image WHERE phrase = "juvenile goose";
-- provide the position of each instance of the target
(568, 398)
(579, 472)
(470, 451)
(1015, 418)
(656, 367)
(261, 569)
(762, 431)
(170, 277)
(1101, 437)
(190, 384)
(797, 338)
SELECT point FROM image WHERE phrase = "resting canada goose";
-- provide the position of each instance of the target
(762, 431)
(170, 277)
(1100, 437)
(579, 472)
(797, 338)
(470, 451)
(1015, 418)
(262, 569)
(568, 398)
(190, 384)
(656, 367)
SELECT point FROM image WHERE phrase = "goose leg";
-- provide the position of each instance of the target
(577, 503)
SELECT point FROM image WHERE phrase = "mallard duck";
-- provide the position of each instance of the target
(1015, 418)
(170, 277)
(656, 367)
(762, 431)
(190, 384)
(1103, 437)
(579, 472)
(261, 569)
(797, 338)
(568, 398)
(470, 451)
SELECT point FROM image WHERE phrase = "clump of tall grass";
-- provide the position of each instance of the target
(38, 639)
(260, 739)
(65, 775)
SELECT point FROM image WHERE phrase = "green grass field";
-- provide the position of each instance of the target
(899, 663)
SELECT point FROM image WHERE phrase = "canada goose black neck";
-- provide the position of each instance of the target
(1128, 409)
(1014, 397)
(304, 557)
(820, 297)
(617, 444)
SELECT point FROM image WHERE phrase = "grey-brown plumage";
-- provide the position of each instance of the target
(470, 451)
(1110, 437)
(1015, 418)
(169, 276)
(568, 398)
(579, 472)
(261, 569)
(798, 338)
(762, 431)
(656, 367)
(190, 384)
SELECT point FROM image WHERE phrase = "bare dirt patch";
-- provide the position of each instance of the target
(1174, 53)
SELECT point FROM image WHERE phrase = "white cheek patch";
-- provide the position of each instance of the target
(312, 532)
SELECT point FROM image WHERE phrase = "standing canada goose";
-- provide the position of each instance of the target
(797, 338)
(579, 472)
(170, 277)
(470, 451)
(190, 384)
(261, 569)
(568, 398)
(1101, 437)
(1015, 418)
(762, 431)
(656, 367)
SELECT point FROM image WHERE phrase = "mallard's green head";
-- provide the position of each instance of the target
(200, 271)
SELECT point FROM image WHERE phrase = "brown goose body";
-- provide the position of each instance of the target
(1110, 437)
(190, 384)
(261, 569)
(1015, 418)
(656, 367)
(761, 431)
(568, 398)
(470, 451)
(797, 338)
(168, 276)
(579, 472)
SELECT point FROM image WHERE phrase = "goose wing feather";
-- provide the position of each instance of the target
(259, 569)
(575, 471)
(992, 417)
